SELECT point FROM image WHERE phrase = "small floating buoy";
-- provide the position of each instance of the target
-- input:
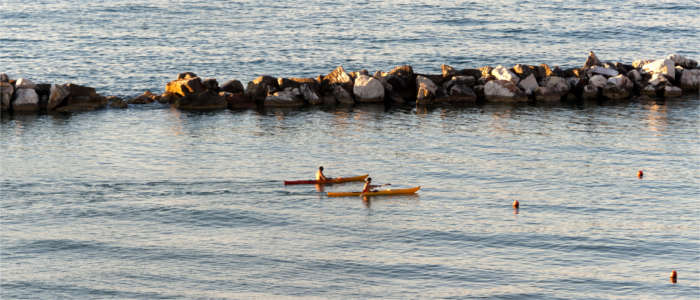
(516, 204)
(640, 174)
(674, 277)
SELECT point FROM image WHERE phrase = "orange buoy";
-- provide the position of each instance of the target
(674, 276)
(640, 174)
(516, 204)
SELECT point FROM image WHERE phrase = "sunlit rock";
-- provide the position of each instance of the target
(641, 62)
(185, 86)
(524, 71)
(23, 83)
(503, 73)
(368, 89)
(661, 66)
(503, 91)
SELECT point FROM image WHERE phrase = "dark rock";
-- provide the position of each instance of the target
(403, 82)
(206, 100)
(82, 98)
(145, 98)
(233, 86)
(591, 61)
(427, 90)
(116, 102)
(58, 94)
(211, 84)
(290, 97)
(341, 95)
(4, 77)
(6, 93)
(459, 93)
(237, 100)
(260, 87)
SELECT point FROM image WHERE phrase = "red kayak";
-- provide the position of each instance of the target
(329, 181)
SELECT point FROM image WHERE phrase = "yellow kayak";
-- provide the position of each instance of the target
(377, 193)
(330, 181)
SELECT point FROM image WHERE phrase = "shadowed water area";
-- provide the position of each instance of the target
(151, 202)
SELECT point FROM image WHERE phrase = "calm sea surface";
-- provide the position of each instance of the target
(151, 202)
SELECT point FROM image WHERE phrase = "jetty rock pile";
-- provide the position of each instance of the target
(665, 78)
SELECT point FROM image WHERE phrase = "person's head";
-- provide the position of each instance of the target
(368, 179)
(320, 168)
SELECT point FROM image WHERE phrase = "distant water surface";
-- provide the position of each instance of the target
(124, 47)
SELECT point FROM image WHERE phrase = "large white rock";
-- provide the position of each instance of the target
(529, 84)
(682, 61)
(661, 66)
(368, 89)
(58, 94)
(6, 91)
(503, 73)
(690, 80)
(503, 91)
(26, 100)
(597, 81)
(23, 83)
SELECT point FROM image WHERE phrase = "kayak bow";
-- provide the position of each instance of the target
(330, 181)
(377, 193)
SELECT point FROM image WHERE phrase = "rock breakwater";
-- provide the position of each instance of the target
(669, 77)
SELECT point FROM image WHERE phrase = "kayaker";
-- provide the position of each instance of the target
(319, 174)
(368, 186)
